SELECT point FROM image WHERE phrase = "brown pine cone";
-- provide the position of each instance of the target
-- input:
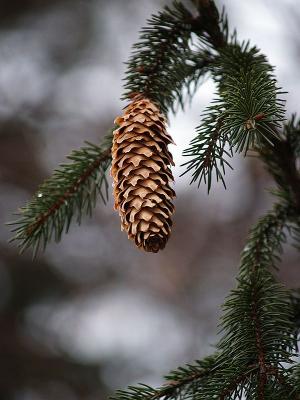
(141, 173)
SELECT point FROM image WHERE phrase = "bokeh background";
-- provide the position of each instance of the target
(93, 314)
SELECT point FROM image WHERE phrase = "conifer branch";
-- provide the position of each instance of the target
(210, 22)
(257, 337)
(282, 162)
(248, 106)
(180, 384)
(260, 322)
(208, 149)
(72, 190)
(163, 62)
(162, 65)
(295, 380)
(255, 333)
(295, 301)
(240, 380)
(283, 381)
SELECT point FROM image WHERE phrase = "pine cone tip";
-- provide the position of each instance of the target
(154, 243)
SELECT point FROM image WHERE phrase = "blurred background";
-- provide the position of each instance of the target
(93, 314)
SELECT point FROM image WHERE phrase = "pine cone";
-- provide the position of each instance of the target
(141, 174)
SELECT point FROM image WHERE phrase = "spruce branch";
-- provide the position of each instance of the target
(257, 323)
(248, 107)
(258, 332)
(251, 99)
(162, 65)
(295, 301)
(282, 162)
(260, 321)
(295, 380)
(164, 61)
(71, 191)
(214, 27)
(208, 150)
(292, 131)
(182, 383)
(257, 327)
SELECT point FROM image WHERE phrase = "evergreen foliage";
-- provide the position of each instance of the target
(255, 357)
(166, 60)
(71, 191)
(281, 162)
(163, 62)
(246, 114)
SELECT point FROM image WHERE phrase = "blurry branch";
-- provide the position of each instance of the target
(71, 191)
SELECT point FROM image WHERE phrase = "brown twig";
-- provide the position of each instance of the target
(259, 345)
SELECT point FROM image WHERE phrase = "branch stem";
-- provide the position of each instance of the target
(41, 219)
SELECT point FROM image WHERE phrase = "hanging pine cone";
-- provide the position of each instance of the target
(141, 174)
